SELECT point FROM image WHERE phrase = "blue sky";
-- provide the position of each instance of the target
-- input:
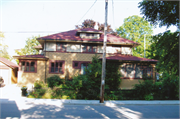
(22, 19)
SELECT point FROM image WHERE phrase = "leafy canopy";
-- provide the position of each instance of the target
(29, 47)
(164, 13)
(135, 28)
(3, 48)
(89, 23)
(165, 48)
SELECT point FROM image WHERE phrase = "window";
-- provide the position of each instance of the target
(28, 65)
(56, 67)
(61, 47)
(136, 71)
(81, 65)
(89, 48)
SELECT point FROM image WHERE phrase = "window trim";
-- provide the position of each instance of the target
(92, 46)
(29, 61)
(79, 64)
(143, 67)
(54, 61)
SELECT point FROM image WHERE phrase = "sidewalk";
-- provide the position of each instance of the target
(13, 93)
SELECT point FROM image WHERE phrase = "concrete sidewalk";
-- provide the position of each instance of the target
(88, 102)
(13, 93)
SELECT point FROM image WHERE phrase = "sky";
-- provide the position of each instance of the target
(22, 19)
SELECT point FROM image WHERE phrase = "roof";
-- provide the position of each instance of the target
(72, 36)
(38, 56)
(121, 57)
(89, 30)
(8, 63)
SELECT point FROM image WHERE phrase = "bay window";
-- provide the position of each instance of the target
(28, 65)
(134, 71)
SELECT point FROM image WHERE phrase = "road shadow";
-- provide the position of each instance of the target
(9, 109)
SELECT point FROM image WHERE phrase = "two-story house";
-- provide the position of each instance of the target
(66, 54)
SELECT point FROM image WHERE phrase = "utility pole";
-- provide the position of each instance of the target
(144, 45)
(104, 56)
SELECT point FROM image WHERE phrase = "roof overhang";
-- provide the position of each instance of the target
(42, 41)
(30, 58)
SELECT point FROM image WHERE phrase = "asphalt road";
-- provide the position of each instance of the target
(30, 110)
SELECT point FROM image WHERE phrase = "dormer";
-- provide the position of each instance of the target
(89, 33)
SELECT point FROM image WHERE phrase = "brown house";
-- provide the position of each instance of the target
(8, 71)
(68, 53)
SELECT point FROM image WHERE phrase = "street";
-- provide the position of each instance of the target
(29, 110)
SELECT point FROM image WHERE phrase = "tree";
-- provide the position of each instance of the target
(29, 47)
(91, 81)
(165, 48)
(164, 13)
(135, 28)
(89, 23)
(3, 48)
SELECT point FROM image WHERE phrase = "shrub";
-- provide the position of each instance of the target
(54, 81)
(143, 89)
(39, 85)
(38, 93)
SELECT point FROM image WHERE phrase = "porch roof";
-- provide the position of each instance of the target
(8, 63)
(38, 56)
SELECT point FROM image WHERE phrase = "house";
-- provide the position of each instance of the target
(8, 71)
(68, 53)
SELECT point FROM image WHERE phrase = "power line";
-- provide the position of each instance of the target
(87, 11)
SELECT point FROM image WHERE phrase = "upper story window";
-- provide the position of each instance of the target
(61, 47)
(56, 66)
(28, 65)
(89, 48)
(90, 35)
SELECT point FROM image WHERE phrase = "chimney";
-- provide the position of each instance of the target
(96, 26)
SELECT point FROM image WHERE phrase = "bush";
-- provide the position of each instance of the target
(54, 81)
(38, 93)
(39, 84)
(143, 89)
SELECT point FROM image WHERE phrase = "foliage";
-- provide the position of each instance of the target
(170, 86)
(54, 81)
(91, 81)
(29, 47)
(38, 93)
(59, 93)
(164, 13)
(39, 85)
(3, 48)
(89, 23)
(165, 48)
(143, 89)
(135, 28)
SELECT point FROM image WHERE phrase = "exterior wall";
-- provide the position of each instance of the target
(9, 75)
(129, 83)
(126, 50)
(69, 71)
(28, 78)
(14, 76)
